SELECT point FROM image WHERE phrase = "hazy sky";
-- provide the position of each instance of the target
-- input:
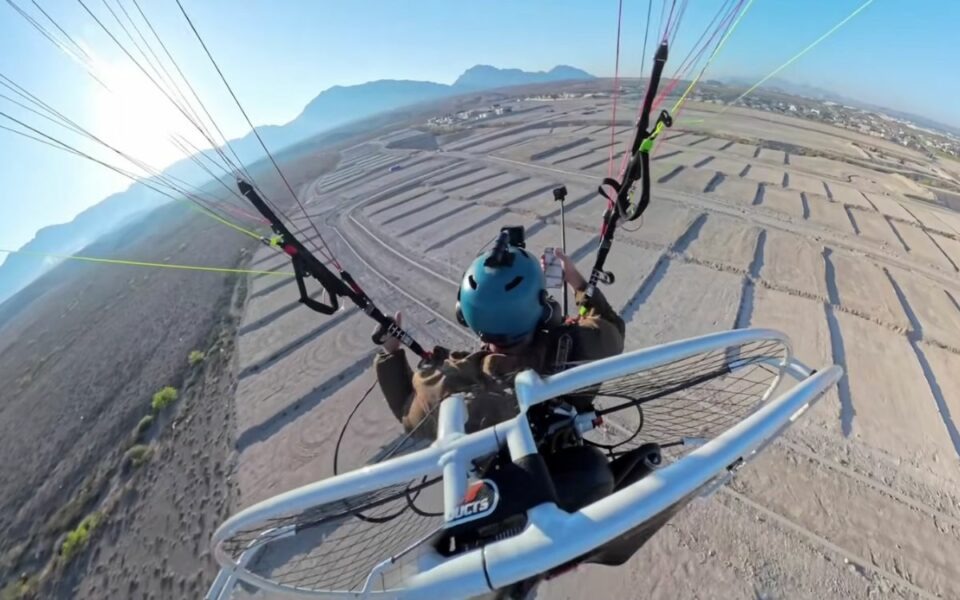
(280, 54)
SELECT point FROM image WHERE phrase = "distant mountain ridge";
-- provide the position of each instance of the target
(487, 77)
(336, 106)
(340, 105)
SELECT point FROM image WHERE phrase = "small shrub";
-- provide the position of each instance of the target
(144, 425)
(22, 588)
(163, 398)
(77, 539)
(196, 357)
(78, 505)
(135, 456)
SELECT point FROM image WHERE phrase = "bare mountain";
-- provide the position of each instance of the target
(487, 77)
(342, 104)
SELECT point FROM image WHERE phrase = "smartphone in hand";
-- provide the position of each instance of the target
(552, 269)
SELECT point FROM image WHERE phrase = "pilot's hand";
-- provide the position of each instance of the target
(570, 273)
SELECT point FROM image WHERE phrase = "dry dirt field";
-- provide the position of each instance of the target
(757, 220)
(79, 363)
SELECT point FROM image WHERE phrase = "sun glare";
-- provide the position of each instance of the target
(137, 118)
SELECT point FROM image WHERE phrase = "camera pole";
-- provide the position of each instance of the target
(560, 195)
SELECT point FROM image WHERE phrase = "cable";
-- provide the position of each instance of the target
(411, 501)
(199, 126)
(144, 182)
(727, 24)
(153, 80)
(164, 74)
(329, 254)
(631, 436)
(159, 67)
(34, 138)
(643, 61)
(698, 48)
(679, 104)
(132, 40)
(663, 12)
(646, 36)
(326, 252)
(71, 126)
(36, 112)
(59, 144)
(795, 57)
(616, 91)
(663, 38)
(195, 155)
(181, 187)
(196, 96)
(666, 29)
(60, 29)
(87, 64)
(138, 263)
(343, 429)
(43, 30)
(676, 26)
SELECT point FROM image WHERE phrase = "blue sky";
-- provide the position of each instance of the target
(280, 54)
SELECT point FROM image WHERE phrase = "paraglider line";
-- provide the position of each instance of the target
(139, 263)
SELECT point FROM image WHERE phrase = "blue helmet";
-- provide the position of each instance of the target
(503, 295)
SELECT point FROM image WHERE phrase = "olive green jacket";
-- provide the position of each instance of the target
(486, 378)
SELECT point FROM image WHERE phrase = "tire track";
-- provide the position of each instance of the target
(456, 327)
(822, 542)
(398, 254)
(670, 253)
(879, 486)
(698, 202)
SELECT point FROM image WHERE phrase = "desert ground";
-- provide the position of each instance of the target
(756, 220)
(79, 362)
(82, 351)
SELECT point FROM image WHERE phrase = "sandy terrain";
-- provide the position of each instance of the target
(80, 364)
(858, 500)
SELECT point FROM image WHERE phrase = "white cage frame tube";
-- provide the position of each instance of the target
(552, 537)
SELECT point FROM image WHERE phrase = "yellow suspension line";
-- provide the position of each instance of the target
(196, 206)
(789, 62)
(716, 51)
(137, 263)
